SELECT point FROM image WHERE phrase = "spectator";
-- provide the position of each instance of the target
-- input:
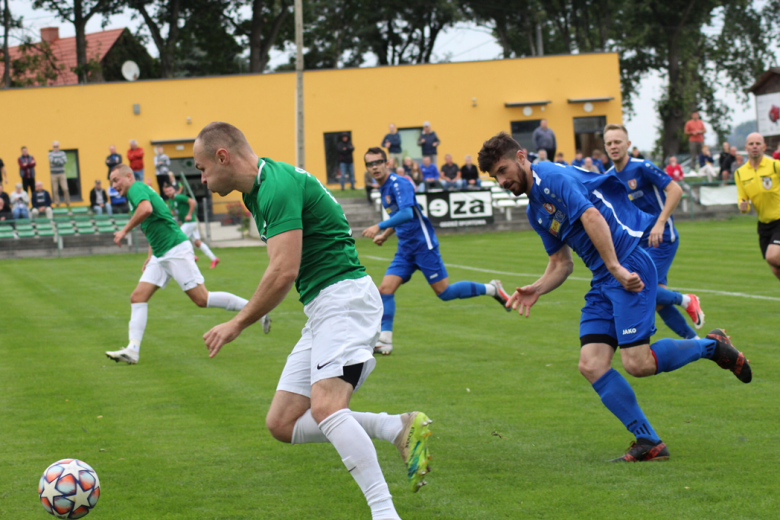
(470, 174)
(430, 175)
(407, 164)
(544, 139)
(450, 174)
(57, 161)
(99, 200)
(738, 161)
(135, 156)
(27, 170)
(606, 162)
(3, 173)
(559, 159)
(162, 170)
(118, 202)
(391, 164)
(429, 142)
(706, 163)
(392, 142)
(19, 202)
(113, 159)
(370, 183)
(541, 157)
(4, 196)
(5, 211)
(694, 129)
(578, 160)
(415, 173)
(775, 156)
(636, 154)
(346, 161)
(726, 158)
(587, 165)
(41, 202)
(674, 170)
(402, 173)
(597, 162)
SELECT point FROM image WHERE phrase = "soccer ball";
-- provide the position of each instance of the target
(69, 488)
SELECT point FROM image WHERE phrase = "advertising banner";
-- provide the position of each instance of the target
(768, 114)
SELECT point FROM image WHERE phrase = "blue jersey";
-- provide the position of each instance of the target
(646, 184)
(561, 194)
(398, 193)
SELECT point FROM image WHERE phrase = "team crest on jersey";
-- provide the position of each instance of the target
(549, 207)
(388, 199)
(767, 182)
(632, 184)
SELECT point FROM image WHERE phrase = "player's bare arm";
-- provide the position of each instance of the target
(673, 196)
(284, 252)
(371, 231)
(559, 267)
(141, 213)
(148, 257)
(382, 237)
(188, 218)
(598, 231)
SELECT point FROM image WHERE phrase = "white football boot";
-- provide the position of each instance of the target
(266, 321)
(384, 345)
(127, 355)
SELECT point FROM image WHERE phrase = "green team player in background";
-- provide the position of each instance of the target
(310, 243)
(170, 256)
(186, 209)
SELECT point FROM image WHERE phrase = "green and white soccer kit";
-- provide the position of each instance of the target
(172, 254)
(341, 301)
(180, 204)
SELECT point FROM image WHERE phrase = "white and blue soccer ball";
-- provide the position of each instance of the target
(69, 488)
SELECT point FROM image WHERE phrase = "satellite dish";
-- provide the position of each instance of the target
(130, 71)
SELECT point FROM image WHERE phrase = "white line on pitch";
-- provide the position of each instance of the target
(491, 271)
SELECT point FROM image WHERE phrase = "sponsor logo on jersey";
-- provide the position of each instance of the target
(767, 182)
(549, 207)
(434, 275)
(629, 331)
(632, 184)
(636, 195)
(555, 226)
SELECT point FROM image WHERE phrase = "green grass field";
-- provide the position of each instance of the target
(518, 432)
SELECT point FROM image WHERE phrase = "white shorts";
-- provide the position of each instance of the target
(191, 230)
(178, 263)
(343, 326)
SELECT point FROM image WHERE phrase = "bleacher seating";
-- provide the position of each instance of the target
(80, 223)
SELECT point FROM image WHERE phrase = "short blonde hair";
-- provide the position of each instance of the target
(613, 126)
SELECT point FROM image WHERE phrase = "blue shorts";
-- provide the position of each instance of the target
(429, 261)
(662, 256)
(610, 311)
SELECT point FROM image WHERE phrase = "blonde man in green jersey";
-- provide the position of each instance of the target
(186, 209)
(170, 256)
(310, 243)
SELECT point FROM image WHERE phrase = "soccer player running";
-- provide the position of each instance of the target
(170, 256)
(592, 214)
(187, 210)
(418, 248)
(655, 193)
(310, 243)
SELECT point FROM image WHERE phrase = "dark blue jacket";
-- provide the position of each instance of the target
(40, 199)
(427, 145)
(395, 142)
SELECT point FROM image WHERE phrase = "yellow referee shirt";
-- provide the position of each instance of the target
(761, 187)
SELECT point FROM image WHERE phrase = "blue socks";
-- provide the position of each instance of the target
(461, 290)
(675, 321)
(671, 354)
(389, 313)
(664, 296)
(619, 398)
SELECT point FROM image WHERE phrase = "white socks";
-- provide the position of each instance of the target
(686, 300)
(227, 301)
(386, 336)
(138, 316)
(203, 247)
(359, 456)
(376, 425)
(490, 289)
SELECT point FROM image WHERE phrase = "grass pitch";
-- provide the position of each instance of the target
(518, 432)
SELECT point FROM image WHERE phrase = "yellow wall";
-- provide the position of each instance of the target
(363, 101)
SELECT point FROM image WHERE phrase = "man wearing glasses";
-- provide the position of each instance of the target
(418, 248)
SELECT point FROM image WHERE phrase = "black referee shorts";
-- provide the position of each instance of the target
(768, 233)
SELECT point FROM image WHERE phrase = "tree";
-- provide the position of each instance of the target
(263, 29)
(79, 12)
(157, 15)
(35, 66)
(206, 45)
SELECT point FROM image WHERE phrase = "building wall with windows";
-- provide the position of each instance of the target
(466, 103)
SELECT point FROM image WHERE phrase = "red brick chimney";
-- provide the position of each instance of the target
(50, 34)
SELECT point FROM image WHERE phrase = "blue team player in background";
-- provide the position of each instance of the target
(592, 214)
(418, 248)
(655, 193)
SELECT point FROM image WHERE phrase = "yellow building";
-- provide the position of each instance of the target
(466, 103)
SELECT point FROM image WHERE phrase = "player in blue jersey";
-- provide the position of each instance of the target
(592, 214)
(418, 248)
(655, 193)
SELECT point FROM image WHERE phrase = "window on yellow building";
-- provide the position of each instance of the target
(523, 131)
(588, 134)
(332, 156)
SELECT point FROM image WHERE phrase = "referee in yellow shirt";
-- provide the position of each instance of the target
(758, 182)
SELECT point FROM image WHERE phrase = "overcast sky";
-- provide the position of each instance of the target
(465, 42)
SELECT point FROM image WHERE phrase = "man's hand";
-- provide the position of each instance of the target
(380, 239)
(188, 218)
(524, 298)
(372, 231)
(630, 281)
(656, 234)
(744, 206)
(221, 335)
(118, 236)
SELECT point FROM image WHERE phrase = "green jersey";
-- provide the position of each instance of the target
(180, 204)
(162, 232)
(285, 198)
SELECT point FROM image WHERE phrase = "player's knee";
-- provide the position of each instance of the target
(639, 368)
(279, 430)
(773, 259)
(592, 368)
(197, 243)
(138, 297)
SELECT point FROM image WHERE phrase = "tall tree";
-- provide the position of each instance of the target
(78, 13)
(263, 29)
(206, 45)
(6, 54)
(159, 15)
